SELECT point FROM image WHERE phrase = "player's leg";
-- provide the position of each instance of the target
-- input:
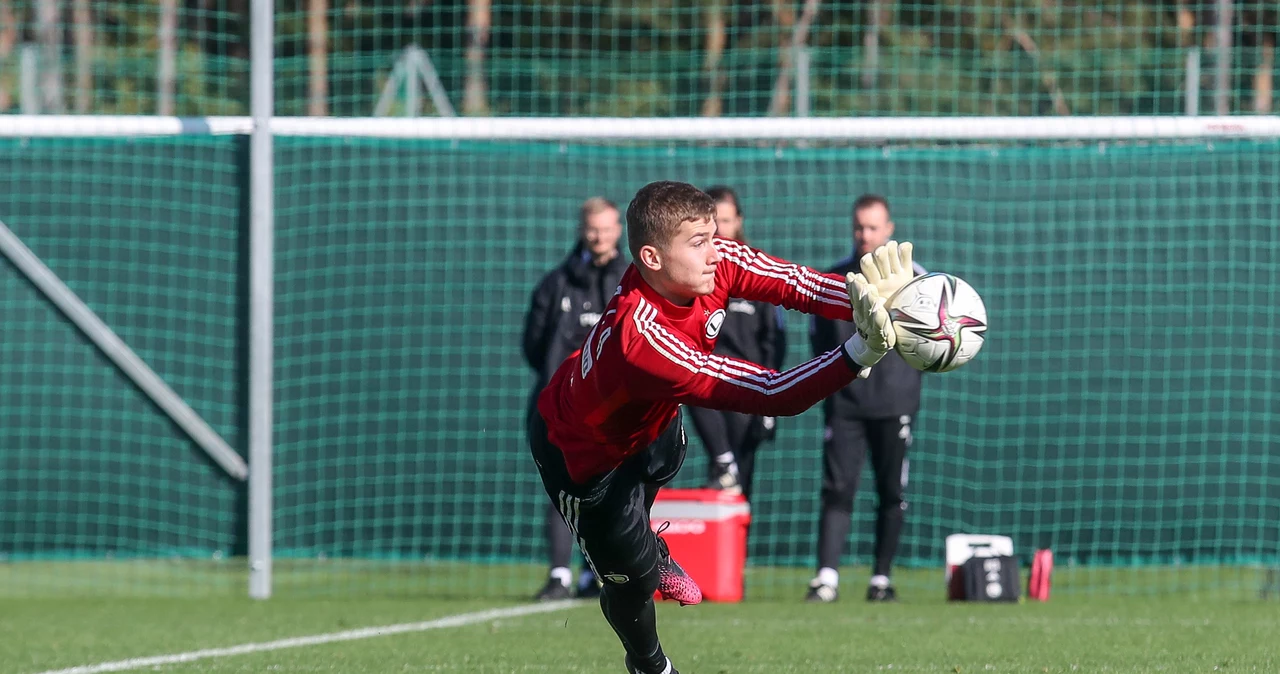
(661, 462)
(628, 605)
(560, 549)
(608, 517)
(615, 535)
(843, 452)
(711, 426)
(888, 440)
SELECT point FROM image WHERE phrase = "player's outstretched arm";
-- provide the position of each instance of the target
(754, 275)
(664, 366)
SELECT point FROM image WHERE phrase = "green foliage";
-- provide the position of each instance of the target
(650, 57)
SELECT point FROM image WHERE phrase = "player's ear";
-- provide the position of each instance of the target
(650, 258)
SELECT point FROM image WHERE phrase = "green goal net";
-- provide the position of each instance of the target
(1121, 414)
(100, 491)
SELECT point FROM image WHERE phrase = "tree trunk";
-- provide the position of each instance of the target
(713, 105)
(1262, 82)
(871, 43)
(780, 102)
(476, 95)
(8, 38)
(50, 32)
(784, 20)
(1225, 20)
(318, 57)
(1186, 25)
(83, 19)
(166, 74)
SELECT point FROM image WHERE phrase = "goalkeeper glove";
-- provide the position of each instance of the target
(874, 334)
(888, 268)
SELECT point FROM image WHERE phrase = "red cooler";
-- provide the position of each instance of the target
(707, 536)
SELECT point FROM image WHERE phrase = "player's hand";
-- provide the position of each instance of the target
(888, 268)
(874, 335)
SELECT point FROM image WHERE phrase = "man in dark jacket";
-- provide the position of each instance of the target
(565, 306)
(872, 416)
(751, 331)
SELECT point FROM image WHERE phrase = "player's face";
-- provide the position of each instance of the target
(686, 267)
(601, 231)
(728, 222)
(872, 228)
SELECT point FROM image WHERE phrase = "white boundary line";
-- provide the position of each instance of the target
(319, 639)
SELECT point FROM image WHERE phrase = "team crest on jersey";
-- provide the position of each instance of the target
(714, 323)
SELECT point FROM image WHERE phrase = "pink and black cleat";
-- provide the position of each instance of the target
(673, 583)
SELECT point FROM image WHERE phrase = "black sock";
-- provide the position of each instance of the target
(888, 532)
(632, 616)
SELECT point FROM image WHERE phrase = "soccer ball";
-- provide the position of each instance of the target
(940, 320)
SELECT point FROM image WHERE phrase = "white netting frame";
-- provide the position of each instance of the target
(836, 129)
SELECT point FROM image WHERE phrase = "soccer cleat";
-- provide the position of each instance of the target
(673, 582)
(554, 590)
(877, 594)
(820, 593)
(632, 669)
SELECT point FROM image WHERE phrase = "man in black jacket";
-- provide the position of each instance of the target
(565, 306)
(751, 331)
(872, 416)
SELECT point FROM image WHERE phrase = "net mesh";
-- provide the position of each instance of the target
(642, 58)
(1121, 413)
(1118, 415)
(148, 235)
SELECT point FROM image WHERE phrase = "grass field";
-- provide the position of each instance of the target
(1077, 631)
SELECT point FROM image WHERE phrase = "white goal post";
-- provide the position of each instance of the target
(850, 129)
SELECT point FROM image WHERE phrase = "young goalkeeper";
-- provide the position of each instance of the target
(608, 433)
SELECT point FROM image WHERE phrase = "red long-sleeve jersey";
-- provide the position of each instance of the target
(646, 356)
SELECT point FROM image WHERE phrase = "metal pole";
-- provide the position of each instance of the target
(261, 277)
(427, 70)
(1193, 82)
(413, 91)
(133, 367)
(1222, 86)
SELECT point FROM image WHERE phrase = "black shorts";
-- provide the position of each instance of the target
(609, 514)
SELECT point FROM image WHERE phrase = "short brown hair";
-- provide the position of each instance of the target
(593, 206)
(869, 200)
(658, 210)
(723, 193)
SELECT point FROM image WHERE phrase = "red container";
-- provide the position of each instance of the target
(707, 536)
